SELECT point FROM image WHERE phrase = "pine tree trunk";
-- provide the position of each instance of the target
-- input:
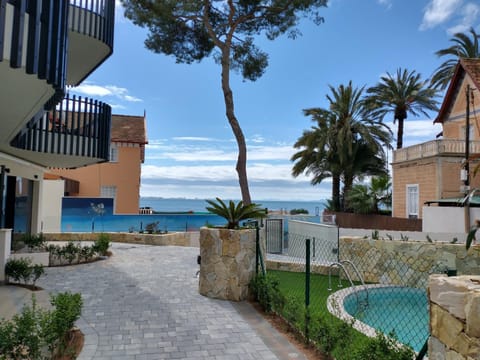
(237, 131)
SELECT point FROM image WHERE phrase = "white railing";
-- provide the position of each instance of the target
(434, 148)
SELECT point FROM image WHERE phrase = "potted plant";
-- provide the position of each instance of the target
(228, 253)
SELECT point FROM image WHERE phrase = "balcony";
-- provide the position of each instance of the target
(33, 43)
(75, 133)
(90, 37)
(443, 147)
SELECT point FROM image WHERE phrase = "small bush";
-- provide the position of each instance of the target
(266, 291)
(22, 270)
(102, 244)
(382, 347)
(30, 333)
(298, 211)
(68, 308)
(152, 228)
(22, 337)
(33, 241)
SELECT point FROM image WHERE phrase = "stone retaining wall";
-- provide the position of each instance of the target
(392, 262)
(190, 239)
(454, 317)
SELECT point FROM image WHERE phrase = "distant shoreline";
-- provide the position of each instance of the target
(184, 205)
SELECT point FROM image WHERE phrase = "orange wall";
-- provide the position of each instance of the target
(421, 173)
(124, 174)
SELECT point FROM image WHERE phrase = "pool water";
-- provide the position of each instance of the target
(393, 309)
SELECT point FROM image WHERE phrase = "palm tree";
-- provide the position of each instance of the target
(318, 155)
(464, 47)
(401, 94)
(365, 199)
(332, 148)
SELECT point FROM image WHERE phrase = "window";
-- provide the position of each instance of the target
(412, 201)
(113, 153)
(108, 191)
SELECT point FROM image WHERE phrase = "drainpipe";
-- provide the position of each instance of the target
(3, 186)
(467, 165)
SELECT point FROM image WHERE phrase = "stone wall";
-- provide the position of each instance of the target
(177, 239)
(395, 262)
(228, 263)
(454, 317)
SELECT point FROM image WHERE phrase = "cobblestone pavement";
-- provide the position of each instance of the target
(143, 303)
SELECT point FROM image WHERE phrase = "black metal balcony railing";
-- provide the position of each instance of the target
(77, 126)
(46, 39)
(94, 18)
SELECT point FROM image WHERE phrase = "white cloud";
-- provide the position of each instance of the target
(114, 91)
(416, 131)
(194, 138)
(211, 151)
(257, 139)
(470, 13)
(386, 3)
(438, 11)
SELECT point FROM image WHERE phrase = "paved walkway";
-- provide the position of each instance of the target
(143, 303)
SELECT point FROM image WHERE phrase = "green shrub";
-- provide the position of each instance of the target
(22, 270)
(68, 308)
(294, 312)
(298, 211)
(33, 241)
(17, 269)
(331, 334)
(72, 251)
(382, 347)
(266, 291)
(22, 337)
(30, 333)
(102, 244)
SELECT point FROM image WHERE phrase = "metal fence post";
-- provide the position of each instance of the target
(257, 248)
(307, 288)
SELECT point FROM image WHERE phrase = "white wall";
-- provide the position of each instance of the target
(51, 205)
(324, 240)
(406, 235)
(447, 218)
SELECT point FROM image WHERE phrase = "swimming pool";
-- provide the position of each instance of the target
(397, 309)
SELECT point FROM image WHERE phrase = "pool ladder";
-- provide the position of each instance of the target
(341, 264)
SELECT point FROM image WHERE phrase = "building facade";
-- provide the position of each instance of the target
(437, 169)
(118, 178)
(45, 46)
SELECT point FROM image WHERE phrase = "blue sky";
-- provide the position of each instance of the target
(192, 151)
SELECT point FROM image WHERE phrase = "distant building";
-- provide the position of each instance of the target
(435, 171)
(119, 178)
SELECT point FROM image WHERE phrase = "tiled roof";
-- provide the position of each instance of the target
(130, 129)
(464, 66)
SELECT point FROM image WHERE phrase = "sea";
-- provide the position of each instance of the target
(173, 205)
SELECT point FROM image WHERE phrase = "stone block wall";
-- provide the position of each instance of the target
(407, 262)
(454, 317)
(177, 239)
(228, 263)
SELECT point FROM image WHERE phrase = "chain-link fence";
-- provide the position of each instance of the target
(369, 285)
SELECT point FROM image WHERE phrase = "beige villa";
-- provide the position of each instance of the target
(435, 171)
(119, 178)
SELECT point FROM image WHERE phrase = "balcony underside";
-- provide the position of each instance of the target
(21, 96)
(85, 54)
(54, 160)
